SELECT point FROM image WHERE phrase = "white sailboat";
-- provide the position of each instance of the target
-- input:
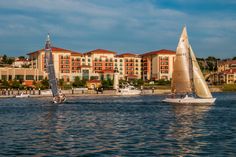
(188, 84)
(58, 97)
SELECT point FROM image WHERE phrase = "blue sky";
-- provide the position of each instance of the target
(135, 26)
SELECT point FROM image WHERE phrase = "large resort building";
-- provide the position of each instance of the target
(97, 64)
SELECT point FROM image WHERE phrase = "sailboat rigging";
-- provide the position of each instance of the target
(58, 97)
(188, 84)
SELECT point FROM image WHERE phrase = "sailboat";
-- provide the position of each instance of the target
(58, 97)
(188, 84)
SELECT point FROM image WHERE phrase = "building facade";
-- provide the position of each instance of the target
(97, 64)
(158, 65)
(226, 73)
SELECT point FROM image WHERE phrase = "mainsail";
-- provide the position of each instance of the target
(200, 86)
(181, 76)
(50, 68)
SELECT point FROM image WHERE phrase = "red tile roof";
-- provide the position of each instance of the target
(163, 51)
(127, 55)
(56, 49)
(100, 51)
(227, 62)
(229, 71)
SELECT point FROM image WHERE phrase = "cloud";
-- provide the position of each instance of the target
(120, 25)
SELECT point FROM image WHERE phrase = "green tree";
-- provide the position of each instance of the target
(137, 82)
(7, 60)
(78, 83)
(106, 84)
(5, 84)
(15, 84)
(45, 83)
(61, 82)
(21, 57)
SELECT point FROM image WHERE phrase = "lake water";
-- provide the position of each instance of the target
(117, 126)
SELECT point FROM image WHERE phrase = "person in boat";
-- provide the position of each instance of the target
(60, 98)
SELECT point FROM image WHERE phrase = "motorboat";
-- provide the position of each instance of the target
(128, 90)
(22, 95)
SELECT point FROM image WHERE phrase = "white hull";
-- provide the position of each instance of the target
(133, 92)
(128, 90)
(189, 100)
(22, 96)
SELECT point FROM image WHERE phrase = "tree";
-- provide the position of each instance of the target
(7, 60)
(21, 57)
(5, 84)
(78, 83)
(61, 82)
(107, 83)
(138, 82)
(15, 84)
(45, 83)
(234, 58)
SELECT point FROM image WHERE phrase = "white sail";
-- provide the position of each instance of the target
(50, 67)
(187, 77)
(58, 97)
(200, 85)
(181, 76)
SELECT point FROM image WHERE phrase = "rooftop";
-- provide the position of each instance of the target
(56, 49)
(160, 52)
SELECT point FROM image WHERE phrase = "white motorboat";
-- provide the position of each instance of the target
(128, 90)
(188, 85)
(22, 95)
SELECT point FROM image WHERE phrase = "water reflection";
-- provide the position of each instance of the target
(188, 128)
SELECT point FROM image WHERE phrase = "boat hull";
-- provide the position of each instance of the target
(189, 100)
(129, 92)
(22, 96)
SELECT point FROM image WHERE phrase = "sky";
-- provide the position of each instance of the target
(133, 26)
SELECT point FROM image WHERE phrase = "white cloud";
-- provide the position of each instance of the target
(124, 23)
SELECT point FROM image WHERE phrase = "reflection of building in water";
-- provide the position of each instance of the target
(187, 127)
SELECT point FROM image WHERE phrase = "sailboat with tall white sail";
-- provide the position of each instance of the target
(58, 97)
(188, 84)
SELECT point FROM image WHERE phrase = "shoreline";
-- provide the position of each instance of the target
(70, 93)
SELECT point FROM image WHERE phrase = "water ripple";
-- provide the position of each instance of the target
(117, 126)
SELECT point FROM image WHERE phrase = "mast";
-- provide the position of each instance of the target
(191, 73)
